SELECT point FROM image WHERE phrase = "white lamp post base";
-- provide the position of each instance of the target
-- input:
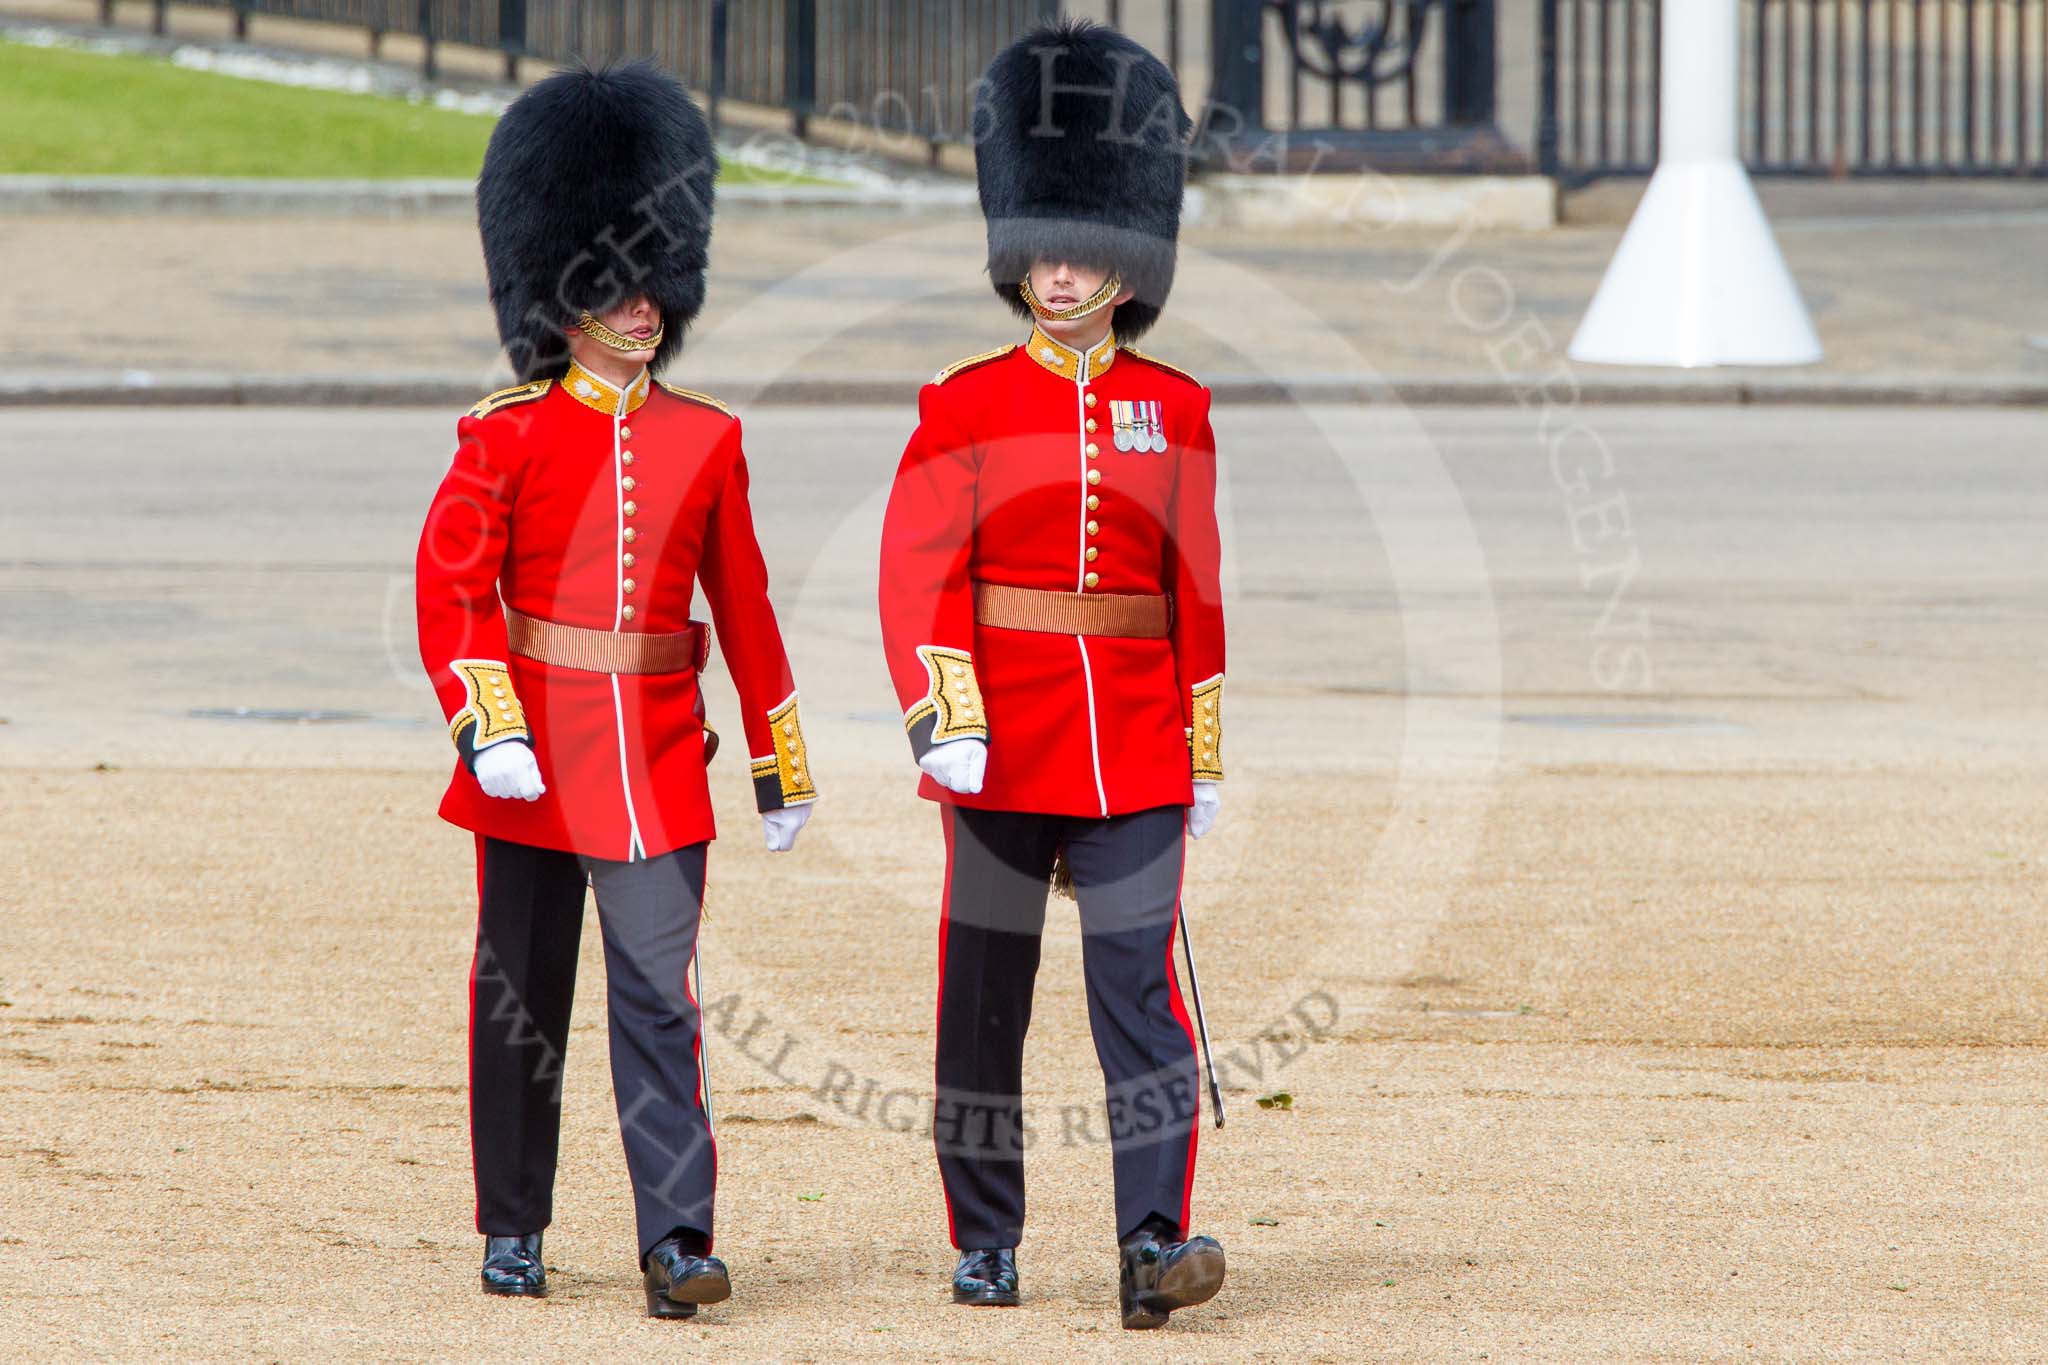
(1697, 280)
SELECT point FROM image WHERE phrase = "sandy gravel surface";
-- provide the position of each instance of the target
(1695, 1022)
(1774, 1094)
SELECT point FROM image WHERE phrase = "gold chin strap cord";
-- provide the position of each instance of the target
(1094, 303)
(617, 341)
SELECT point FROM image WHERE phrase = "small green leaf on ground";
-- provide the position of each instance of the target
(1899, 1287)
(812, 1198)
(1386, 1284)
(1279, 1099)
(1265, 1222)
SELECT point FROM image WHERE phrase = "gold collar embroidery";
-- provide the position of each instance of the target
(603, 395)
(1066, 362)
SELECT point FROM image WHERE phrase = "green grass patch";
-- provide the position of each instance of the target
(83, 113)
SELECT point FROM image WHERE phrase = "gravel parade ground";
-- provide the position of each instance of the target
(1630, 866)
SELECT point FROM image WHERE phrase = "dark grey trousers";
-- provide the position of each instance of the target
(529, 925)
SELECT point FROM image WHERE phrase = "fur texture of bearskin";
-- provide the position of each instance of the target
(596, 185)
(1081, 156)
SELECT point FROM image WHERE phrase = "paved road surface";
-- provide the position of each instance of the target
(1835, 585)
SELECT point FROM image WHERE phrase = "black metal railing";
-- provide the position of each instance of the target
(1828, 87)
(911, 67)
(905, 66)
(1299, 84)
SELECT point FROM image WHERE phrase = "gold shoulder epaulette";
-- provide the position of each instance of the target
(1155, 360)
(706, 399)
(505, 398)
(960, 365)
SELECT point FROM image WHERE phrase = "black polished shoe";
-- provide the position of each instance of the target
(987, 1279)
(680, 1278)
(512, 1265)
(1158, 1275)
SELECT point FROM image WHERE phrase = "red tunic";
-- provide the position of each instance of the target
(1039, 467)
(588, 506)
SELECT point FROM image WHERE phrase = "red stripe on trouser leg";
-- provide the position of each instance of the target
(476, 1200)
(1187, 1184)
(703, 1081)
(939, 1001)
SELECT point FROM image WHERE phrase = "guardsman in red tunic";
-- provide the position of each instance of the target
(556, 575)
(1050, 609)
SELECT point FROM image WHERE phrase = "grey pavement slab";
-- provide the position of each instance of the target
(1935, 298)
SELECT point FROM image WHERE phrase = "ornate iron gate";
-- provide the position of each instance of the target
(1326, 85)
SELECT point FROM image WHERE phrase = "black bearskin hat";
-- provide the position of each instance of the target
(1081, 155)
(596, 186)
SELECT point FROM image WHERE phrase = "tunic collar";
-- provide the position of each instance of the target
(608, 398)
(1068, 363)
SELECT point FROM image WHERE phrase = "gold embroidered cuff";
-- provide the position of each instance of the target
(492, 708)
(954, 698)
(785, 774)
(1205, 736)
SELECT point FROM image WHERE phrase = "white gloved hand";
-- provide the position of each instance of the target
(508, 770)
(958, 765)
(1202, 815)
(781, 826)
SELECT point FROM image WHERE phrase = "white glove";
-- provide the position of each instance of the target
(509, 770)
(1202, 815)
(958, 765)
(781, 826)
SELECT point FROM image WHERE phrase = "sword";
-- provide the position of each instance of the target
(703, 1070)
(1187, 948)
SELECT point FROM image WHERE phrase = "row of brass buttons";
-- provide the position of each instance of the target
(627, 484)
(1091, 578)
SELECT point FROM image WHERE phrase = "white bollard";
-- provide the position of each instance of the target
(1698, 279)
